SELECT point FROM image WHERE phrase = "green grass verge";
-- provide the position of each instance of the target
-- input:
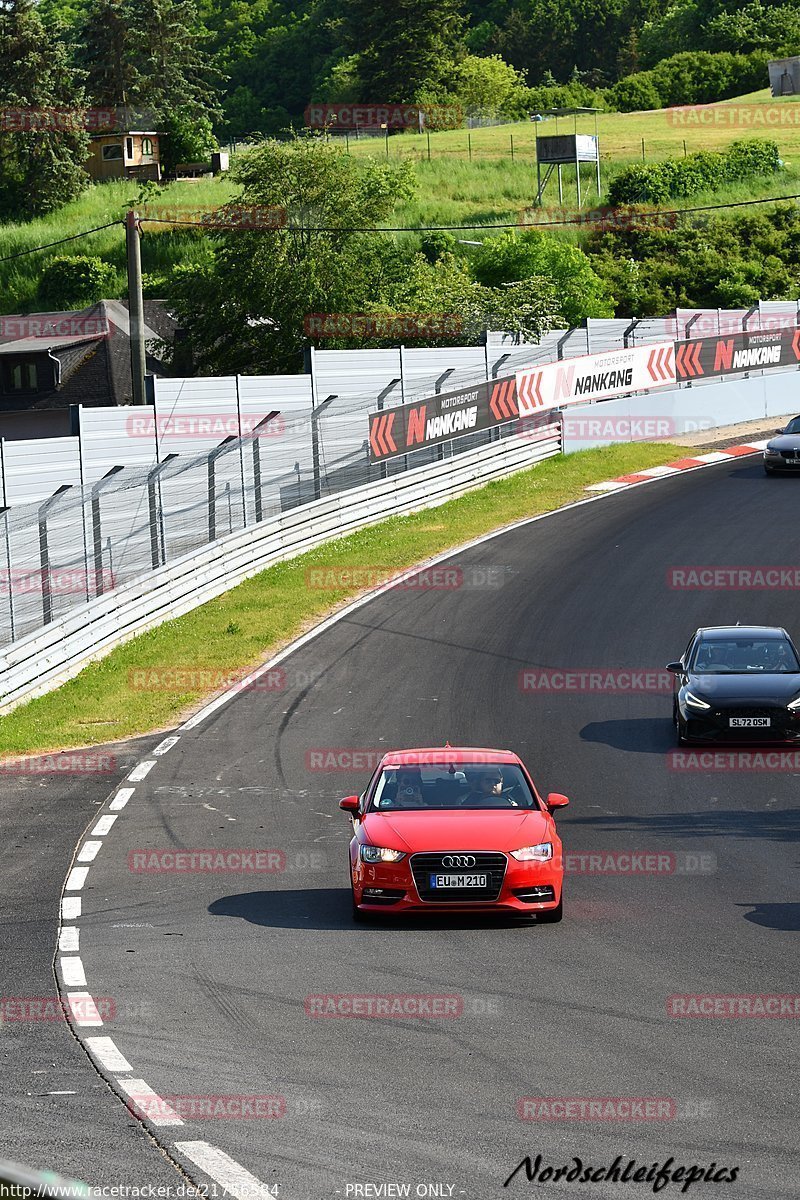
(245, 625)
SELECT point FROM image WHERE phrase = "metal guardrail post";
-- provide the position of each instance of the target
(158, 554)
(10, 579)
(631, 332)
(257, 495)
(212, 485)
(44, 553)
(383, 468)
(97, 536)
(437, 388)
(316, 412)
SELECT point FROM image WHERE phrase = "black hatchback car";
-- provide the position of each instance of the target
(737, 683)
(782, 453)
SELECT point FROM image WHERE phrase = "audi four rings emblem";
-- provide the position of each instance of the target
(458, 860)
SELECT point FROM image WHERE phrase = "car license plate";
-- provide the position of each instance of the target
(459, 881)
(749, 722)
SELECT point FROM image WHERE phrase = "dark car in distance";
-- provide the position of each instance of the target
(782, 453)
(737, 683)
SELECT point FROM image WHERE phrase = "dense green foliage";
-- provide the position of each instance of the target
(75, 282)
(704, 171)
(274, 57)
(41, 168)
(725, 262)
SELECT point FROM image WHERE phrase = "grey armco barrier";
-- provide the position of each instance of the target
(40, 662)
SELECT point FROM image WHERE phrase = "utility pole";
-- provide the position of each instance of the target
(135, 305)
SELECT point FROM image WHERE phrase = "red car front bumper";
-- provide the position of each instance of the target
(527, 887)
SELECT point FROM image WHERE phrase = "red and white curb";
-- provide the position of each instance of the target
(674, 468)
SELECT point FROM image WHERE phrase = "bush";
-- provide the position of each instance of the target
(656, 183)
(636, 93)
(692, 77)
(75, 282)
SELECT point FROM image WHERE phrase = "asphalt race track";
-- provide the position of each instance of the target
(209, 972)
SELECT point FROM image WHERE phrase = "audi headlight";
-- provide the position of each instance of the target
(378, 854)
(694, 701)
(540, 853)
(795, 704)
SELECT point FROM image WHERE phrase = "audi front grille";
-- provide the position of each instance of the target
(491, 865)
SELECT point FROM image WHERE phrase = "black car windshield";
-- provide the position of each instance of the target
(744, 656)
(793, 426)
(457, 786)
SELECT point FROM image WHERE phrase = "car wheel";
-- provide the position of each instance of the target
(768, 471)
(550, 916)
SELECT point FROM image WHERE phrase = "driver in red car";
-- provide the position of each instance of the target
(486, 791)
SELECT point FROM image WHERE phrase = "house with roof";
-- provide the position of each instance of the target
(50, 361)
(124, 154)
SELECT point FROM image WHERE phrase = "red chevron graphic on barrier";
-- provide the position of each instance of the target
(503, 401)
(659, 363)
(530, 388)
(380, 435)
(687, 359)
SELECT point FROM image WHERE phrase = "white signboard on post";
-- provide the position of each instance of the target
(595, 377)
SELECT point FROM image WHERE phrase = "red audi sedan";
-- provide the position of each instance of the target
(454, 829)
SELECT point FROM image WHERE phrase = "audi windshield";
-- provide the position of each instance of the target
(479, 785)
(744, 656)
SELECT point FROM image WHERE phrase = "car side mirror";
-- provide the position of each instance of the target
(350, 804)
(780, 430)
(556, 800)
(675, 667)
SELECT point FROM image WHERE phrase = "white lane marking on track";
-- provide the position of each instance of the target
(609, 486)
(166, 745)
(225, 1170)
(144, 768)
(757, 445)
(104, 824)
(72, 972)
(121, 799)
(88, 851)
(107, 1054)
(76, 879)
(148, 1104)
(84, 1009)
(68, 940)
(70, 908)
(714, 456)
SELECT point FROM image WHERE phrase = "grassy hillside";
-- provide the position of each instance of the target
(453, 190)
